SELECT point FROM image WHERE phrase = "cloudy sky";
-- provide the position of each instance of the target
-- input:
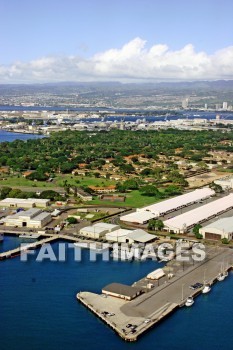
(115, 40)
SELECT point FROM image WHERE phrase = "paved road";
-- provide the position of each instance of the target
(172, 292)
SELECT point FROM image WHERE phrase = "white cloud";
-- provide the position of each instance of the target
(133, 62)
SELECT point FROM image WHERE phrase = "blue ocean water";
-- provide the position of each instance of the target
(39, 309)
(11, 136)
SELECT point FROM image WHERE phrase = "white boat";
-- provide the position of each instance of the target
(221, 277)
(206, 289)
(189, 301)
(1, 237)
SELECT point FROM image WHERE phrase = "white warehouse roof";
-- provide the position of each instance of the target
(106, 226)
(144, 214)
(155, 275)
(117, 234)
(200, 214)
(140, 236)
(139, 217)
(179, 201)
(224, 224)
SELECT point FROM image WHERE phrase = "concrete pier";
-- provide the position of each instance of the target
(17, 251)
(154, 305)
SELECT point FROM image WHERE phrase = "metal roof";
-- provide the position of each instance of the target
(121, 289)
(140, 236)
(200, 214)
(224, 224)
(178, 201)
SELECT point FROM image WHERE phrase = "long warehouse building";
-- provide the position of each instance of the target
(182, 223)
(143, 215)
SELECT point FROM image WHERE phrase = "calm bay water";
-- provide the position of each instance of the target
(11, 136)
(39, 309)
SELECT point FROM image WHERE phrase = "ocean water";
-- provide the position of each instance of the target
(38, 308)
(11, 136)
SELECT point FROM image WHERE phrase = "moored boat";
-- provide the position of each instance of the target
(206, 289)
(189, 301)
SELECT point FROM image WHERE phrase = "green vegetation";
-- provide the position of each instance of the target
(143, 165)
(71, 220)
(196, 229)
(155, 224)
(225, 241)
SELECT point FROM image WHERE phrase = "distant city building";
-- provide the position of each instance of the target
(224, 105)
(206, 106)
(185, 103)
(217, 107)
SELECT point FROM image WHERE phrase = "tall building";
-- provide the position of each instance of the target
(185, 103)
(224, 105)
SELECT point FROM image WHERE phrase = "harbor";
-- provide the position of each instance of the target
(130, 319)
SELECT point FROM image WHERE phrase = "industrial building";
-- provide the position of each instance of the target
(32, 218)
(156, 275)
(24, 203)
(217, 230)
(225, 182)
(98, 230)
(143, 215)
(129, 236)
(182, 223)
(121, 291)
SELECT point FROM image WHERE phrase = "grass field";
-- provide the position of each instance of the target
(57, 182)
(22, 182)
(83, 181)
(134, 199)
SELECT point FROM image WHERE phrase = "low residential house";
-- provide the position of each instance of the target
(107, 189)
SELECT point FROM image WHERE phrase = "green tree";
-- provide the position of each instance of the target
(71, 220)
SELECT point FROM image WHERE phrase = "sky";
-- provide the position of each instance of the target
(121, 40)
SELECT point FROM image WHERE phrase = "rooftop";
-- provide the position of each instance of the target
(201, 213)
(141, 236)
(224, 224)
(121, 289)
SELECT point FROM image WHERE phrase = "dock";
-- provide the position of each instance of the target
(154, 305)
(35, 245)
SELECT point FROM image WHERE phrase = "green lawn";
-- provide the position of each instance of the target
(83, 181)
(58, 181)
(22, 182)
(134, 199)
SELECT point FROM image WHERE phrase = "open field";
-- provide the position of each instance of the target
(134, 199)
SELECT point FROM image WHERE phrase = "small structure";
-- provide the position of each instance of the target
(140, 236)
(56, 212)
(155, 275)
(84, 195)
(121, 291)
(217, 230)
(225, 182)
(92, 232)
(119, 236)
(24, 203)
(98, 230)
(106, 226)
(107, 189)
